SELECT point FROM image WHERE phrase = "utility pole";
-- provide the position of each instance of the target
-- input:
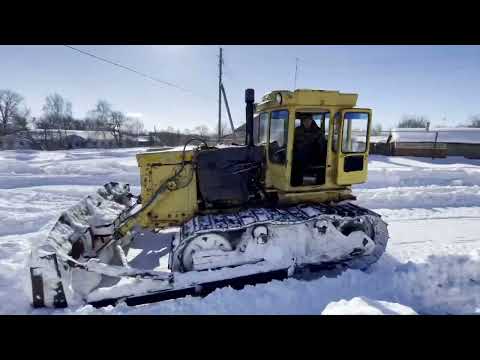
(228, 112)
(221, 91)
(296, 68)
(220, 63)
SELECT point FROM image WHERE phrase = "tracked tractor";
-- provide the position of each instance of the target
(224, 215)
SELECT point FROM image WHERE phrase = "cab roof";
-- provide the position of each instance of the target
(306, 97)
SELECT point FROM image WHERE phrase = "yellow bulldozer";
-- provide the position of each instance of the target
(277, 206)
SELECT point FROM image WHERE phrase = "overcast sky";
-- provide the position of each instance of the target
(439, 82)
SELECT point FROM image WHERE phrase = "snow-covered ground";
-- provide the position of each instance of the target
(432, 263)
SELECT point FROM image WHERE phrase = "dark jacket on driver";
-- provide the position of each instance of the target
(309, 140)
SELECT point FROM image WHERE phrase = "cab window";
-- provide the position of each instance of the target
(277, 150)
(323, 122)
(355, 128)
(322, 119)
(262, 129)
(256, 121)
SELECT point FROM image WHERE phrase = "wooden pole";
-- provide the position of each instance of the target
(220, 62)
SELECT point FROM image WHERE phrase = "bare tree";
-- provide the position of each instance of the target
(10, 111)
(101, 115)
(116, 124)
(202, 130)
(98, 119)
(413, 122)
(57, 114)
(57, 111)
(21, 120)
(134, 126)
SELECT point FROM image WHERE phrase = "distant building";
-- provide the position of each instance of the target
(438, 142)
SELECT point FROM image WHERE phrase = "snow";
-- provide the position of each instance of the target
(378, 139)
(366, 306)
(431, 266)
(445, 135)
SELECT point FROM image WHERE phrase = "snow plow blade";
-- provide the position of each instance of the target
(200, 290)
(76, 242)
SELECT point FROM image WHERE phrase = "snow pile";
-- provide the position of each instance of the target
(421, 197)
(27, 168)
(366, 306)
(440, 285)
(403, 171)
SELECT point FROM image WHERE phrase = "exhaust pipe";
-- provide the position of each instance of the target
(249, 100)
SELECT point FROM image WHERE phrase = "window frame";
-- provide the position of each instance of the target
(285, 138)
(267, 132)
(337, 118)
(366, 134)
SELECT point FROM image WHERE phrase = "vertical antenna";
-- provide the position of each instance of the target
(220, 62)
(296, 68)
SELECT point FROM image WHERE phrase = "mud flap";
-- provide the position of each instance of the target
(50, 266)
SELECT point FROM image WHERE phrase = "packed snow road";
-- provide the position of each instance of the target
(432, 263)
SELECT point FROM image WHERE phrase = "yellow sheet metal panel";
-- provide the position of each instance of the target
(306, 97)
(354, 177)
(178, 205)
(170, 156)
(276, 176)
(292, 198)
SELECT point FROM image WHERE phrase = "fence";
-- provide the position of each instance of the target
(434, 150)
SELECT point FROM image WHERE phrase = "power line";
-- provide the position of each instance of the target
(133, 70)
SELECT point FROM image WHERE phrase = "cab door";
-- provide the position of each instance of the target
(278, 145)
(354, 139)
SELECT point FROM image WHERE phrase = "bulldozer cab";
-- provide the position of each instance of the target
(314, 140)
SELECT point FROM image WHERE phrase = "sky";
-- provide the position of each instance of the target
(438, 82)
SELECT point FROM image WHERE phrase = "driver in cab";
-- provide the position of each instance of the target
(308, 149)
